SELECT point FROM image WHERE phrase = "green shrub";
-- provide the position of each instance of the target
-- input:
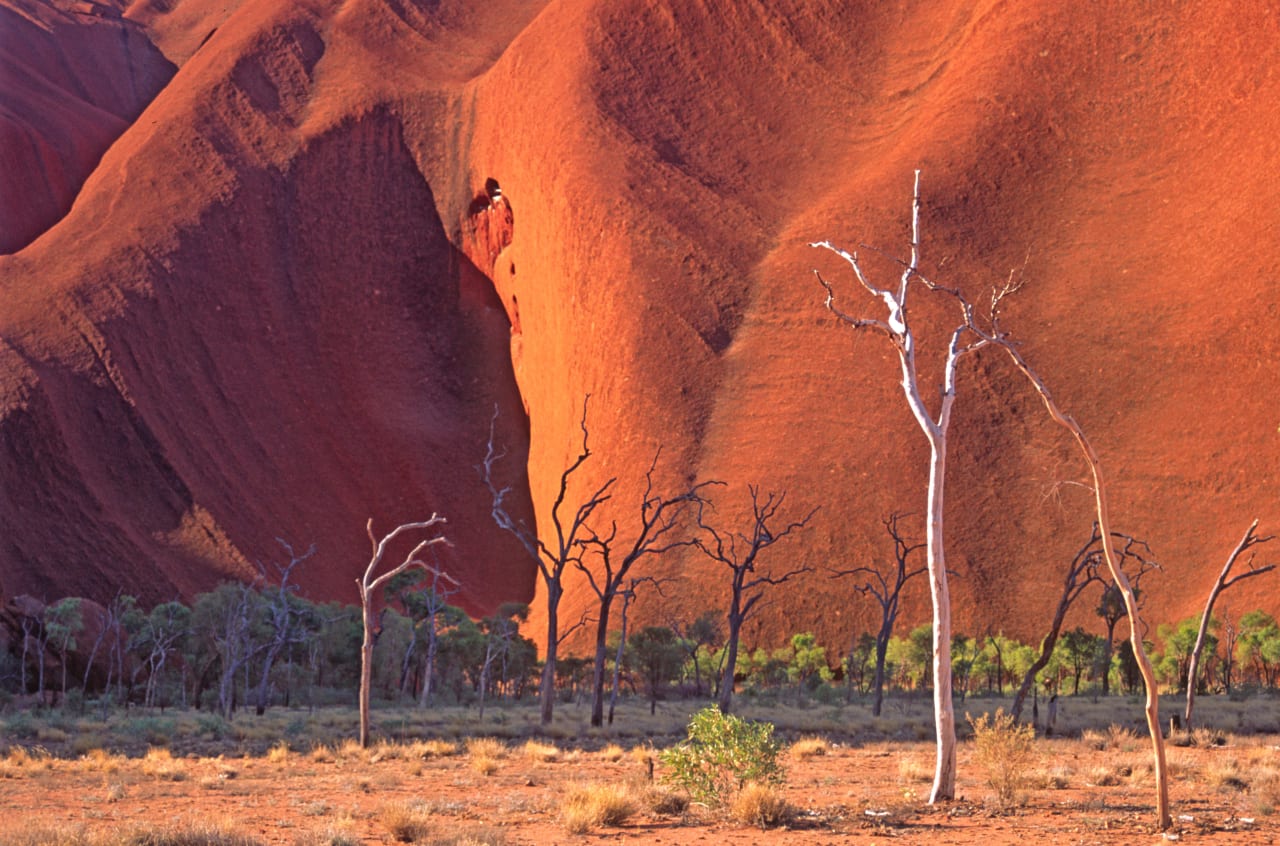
(721, 754)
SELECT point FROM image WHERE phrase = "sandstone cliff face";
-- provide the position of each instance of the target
(75, 76)
(281, 304)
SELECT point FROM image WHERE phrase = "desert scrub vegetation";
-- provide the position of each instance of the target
(190, 834)
(721, 754)
(1004, 750)
(485, 754)
(589, 806)
(810, 747)
(760, 805)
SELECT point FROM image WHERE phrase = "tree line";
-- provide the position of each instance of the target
(262, 645)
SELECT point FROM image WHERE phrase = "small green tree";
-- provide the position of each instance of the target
(1079, 651)
(808, 665)
(723, 752)
(63, 622)
(659, 656)
(1258, 645)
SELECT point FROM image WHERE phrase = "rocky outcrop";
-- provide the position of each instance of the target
(284, 301)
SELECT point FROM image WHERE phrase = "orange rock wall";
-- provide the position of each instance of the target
(277, 308)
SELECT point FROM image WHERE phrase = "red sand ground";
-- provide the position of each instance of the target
(286, 801)
(267, 313)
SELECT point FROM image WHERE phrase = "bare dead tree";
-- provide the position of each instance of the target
(659, 520)
(968, 337)
(1085, 569)
(887, 591)
(896, 325)
(1223, 582)
(739, 552)
(281, 615)
(370, 582)
(553, 558)
(436, 599)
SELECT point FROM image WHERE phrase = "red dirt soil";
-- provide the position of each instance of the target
(276, 308)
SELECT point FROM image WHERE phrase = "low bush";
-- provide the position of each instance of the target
(1005, 750)
(722, 753)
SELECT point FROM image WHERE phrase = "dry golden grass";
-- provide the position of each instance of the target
(612, 753)
(485, 754)
(406, 822)
(543, 753)
(589, 806)
(436, 748)
(160, 763)
(914, 769)
(810, 747)
(100, 761)
(488, 746)
(279, 753)
(760, 805)
(187, 834)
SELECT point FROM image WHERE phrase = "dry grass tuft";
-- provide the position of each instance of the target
(160, 763)
(589, 806)
(435, 748)
(485, 754)
(613, 753)
(99, 761)
(406, 822)
(543, 753)
(1109, 775)
(913, 769)
(760, 805)
(279, 753)
(810, 747)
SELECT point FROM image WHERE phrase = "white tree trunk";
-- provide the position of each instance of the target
(944, 718)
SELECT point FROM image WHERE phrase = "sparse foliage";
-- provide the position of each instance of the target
(723, 752)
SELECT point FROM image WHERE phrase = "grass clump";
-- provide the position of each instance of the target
(1004, 749)
(485, 754)
(543, 753)
(760, 805)
(722, 753)
(589, 806)
(406, 822)
(810, 747)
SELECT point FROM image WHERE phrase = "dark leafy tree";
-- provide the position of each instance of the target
(659, 657)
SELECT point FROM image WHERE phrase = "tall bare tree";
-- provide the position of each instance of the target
(1246, 543)
(282, 614)
(654, 535)
(370, 582)
(887, 591)
(968, 337)
(896, 326)
(740, 552)
(553, 557)
(1083, 571)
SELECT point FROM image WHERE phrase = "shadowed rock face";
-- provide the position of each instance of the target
(284, 303)
(74, 76)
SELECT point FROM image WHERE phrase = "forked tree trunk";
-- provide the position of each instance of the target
(1221, 584)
